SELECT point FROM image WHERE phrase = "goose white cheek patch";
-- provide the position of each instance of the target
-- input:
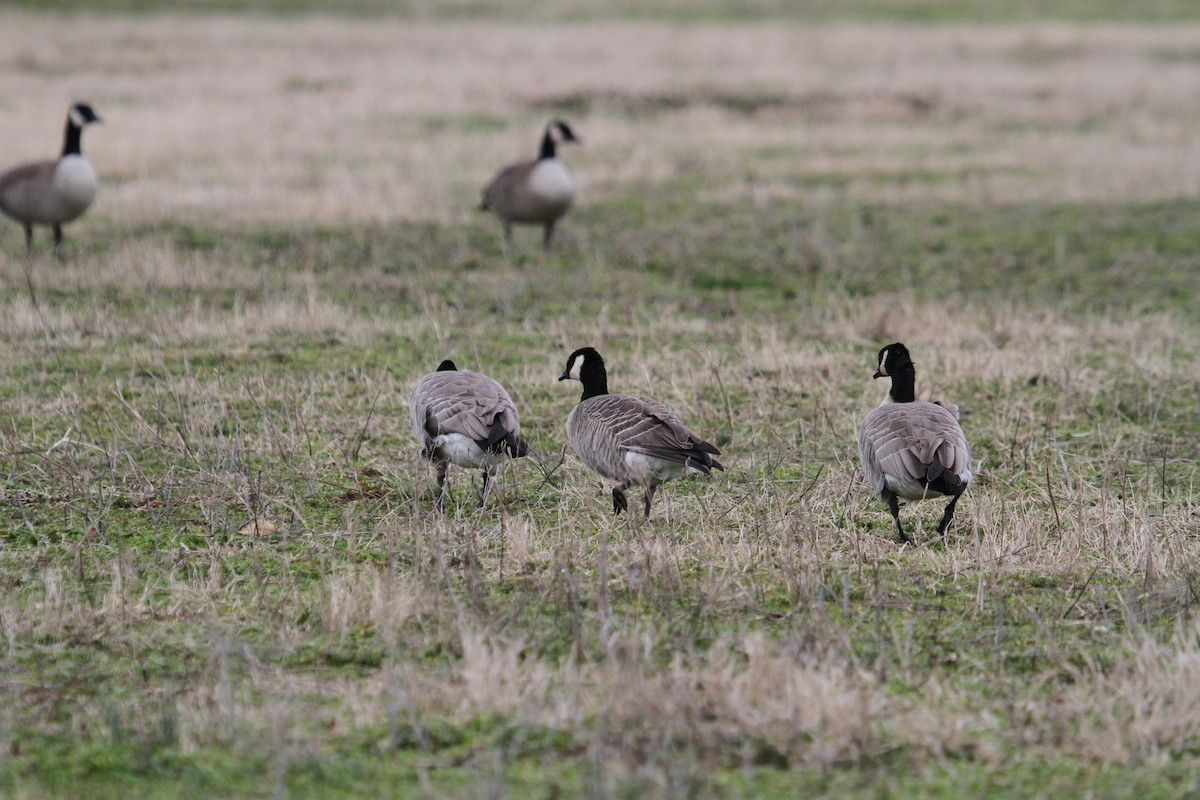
(76, 117)
(575, 368)
(883, 363)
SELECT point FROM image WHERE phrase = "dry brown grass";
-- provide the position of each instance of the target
(332, 120)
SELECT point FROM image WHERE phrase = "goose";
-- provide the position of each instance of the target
(912, 449)
(52, 192)
(630, 439)
(464, 418)
(535, 192)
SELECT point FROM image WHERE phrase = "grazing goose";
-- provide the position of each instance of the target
(534, 192)
(52, 192)
(627, 438)
(912, 448)
(464, 418)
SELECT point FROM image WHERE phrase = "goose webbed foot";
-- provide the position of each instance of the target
(620, 503)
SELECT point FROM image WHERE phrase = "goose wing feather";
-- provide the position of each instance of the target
(466, 403)
(21, 186)
(918, 441)
(505, 192)
(603, 429)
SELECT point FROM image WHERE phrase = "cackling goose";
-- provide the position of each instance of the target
(534, 192)
(52, 192)
(464, 418)
(912, 448)
(627, 438)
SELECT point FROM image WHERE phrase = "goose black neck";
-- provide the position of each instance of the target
(71, 139)
(904, 385)
(547, 150)
(594, 379)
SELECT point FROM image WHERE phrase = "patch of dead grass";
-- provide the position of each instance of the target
(321, 119)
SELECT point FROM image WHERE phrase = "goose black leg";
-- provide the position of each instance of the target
(548, 236)
(649, 499)
(28, 238)
(894, 506)
(487, 487)
(620, 503)
(508, 238)
(441, 482)
(58, 242)
(947, 516)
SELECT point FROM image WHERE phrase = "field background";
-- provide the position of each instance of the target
(286, 240)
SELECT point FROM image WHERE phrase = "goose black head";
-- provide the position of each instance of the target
(78, 115)
(584, 361)
(447, 366)
(565, 133)
(586, 366)
(82, 114)
(893, 360)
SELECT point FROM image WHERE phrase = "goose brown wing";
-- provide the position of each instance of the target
(919, 442)
(503, 193)
(20, 186)
(641, 425)
(466, 403)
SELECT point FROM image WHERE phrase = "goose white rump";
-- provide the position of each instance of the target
(644, 470)
(463, 451)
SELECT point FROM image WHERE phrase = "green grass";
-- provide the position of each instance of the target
(403, 772)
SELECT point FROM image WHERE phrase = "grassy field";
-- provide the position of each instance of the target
(220, 570)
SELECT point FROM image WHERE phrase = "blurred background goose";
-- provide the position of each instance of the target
(912, 448)
(53, 192)
(465, 418)
(630, 439)
(535, 192)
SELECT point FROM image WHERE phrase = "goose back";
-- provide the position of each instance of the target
(915, 450)
(467, 404)
(25, 190)
(623, 436)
